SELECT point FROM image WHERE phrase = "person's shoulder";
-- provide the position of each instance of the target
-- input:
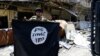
(33, 18)
(44, 19)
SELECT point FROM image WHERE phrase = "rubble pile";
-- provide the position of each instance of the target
(78, 37)
(6, 51)
(77, 40)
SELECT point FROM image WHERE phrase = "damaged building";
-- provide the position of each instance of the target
(73, 15)
(53, 9)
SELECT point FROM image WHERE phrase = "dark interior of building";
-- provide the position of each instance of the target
(21, 15)
(3, 22)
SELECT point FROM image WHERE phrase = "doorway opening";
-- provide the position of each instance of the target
(21, 15)
(3, 22)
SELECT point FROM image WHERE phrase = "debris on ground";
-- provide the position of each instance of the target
(77, 42)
